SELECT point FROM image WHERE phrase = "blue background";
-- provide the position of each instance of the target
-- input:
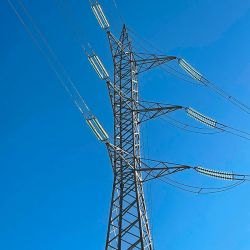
(55, 177)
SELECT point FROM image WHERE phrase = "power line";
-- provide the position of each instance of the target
(211, 123)
(51, 58)
(206, 83)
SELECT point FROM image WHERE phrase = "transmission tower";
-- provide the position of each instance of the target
(128, 226)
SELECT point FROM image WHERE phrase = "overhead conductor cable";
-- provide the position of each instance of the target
(216, 125)
(199, 77)
(66, 83)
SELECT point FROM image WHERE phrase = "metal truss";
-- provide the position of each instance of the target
(128, 222)
(151, 110)
(128, 226)
(145, 62)
(150, 169)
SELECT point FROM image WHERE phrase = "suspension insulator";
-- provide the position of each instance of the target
(99, 14)
(216, 174)
(190, 70)
(97, 128)
(201, 118)
(98, 66)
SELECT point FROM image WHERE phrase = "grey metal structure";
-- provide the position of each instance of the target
(128, 226)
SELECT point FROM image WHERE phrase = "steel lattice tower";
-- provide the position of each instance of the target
(128, 223)
(128, 226)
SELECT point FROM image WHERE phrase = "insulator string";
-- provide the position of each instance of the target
(239, 178)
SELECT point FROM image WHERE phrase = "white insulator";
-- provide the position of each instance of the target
(98, 66)
(105, 73)
(201, 118)
(99, 14)
(97, 128)
(215, 174)
(190, 70)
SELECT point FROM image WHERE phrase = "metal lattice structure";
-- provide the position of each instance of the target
(128, 223)
(128, 226)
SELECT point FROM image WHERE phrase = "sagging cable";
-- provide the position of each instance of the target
(216, 125)
(64, 79)
(200, 78)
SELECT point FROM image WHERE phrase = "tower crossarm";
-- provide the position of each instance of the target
(145, 62)
(151, 110)
(155, 173)
(146, 110)
(146, 171)
(154, 169)
(151, 169)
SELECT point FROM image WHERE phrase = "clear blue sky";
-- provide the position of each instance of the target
(55, 177)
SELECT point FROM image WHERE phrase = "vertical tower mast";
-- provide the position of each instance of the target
(128, 226)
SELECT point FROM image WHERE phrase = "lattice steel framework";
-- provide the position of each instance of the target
(128, 223)
(128, 226)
